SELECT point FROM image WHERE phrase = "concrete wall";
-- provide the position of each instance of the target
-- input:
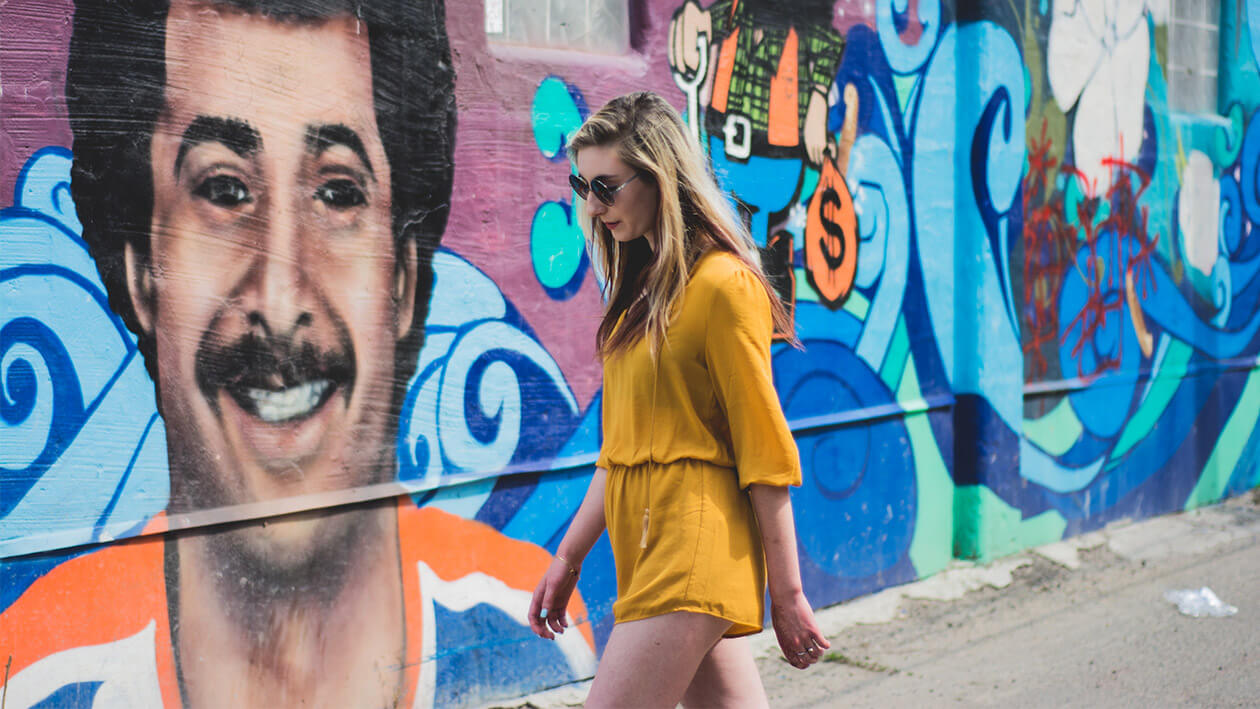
(1025, 285)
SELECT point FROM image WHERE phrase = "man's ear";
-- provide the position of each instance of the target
(140, 286)
(405, 287)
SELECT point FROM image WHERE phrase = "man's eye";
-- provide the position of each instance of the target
(340, 194)
(223, 191)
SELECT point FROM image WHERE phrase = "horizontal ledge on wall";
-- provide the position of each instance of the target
(632, 62)
(64, 540)
(812, 424)
(1058, 386)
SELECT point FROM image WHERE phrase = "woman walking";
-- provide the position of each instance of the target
(692, 478)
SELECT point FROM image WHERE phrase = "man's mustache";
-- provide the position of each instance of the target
(261, 361)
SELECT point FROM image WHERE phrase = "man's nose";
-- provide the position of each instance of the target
(282, 288)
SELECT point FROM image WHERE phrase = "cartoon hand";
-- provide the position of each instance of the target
(685, 28)
(815, 130)
(848, 132)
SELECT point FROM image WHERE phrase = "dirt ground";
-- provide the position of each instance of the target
(1079, 622)
(1098, 635)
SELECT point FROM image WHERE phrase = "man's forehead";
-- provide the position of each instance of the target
(272, 72)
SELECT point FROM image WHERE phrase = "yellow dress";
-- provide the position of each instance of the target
(685, 433)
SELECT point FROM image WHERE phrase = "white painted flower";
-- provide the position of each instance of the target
(1098, 56)
(1198, 213)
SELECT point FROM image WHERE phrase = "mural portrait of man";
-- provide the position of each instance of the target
(264, 220)
(299, 389)
(263, 185)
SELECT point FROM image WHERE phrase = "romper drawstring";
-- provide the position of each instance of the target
(647, 510)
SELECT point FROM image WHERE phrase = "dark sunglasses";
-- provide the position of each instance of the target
(599, 188)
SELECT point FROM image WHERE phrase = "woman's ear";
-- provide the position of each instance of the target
(405, 288)
(140, 286)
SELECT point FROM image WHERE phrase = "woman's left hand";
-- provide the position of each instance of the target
(799, 637)
(548, 609)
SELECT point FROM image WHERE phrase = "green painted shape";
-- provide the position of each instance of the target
(1227, 142)
(931, 548)
(810, 182)
(909, 389)
(1057, 431)
(896, 356)
(1229, 446)
(804, 291)
(988, 528)
(1168, 378)
(904, 85)
(857, 304)
(1072, 196)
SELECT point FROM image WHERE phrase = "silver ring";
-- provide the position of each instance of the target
(802, 652)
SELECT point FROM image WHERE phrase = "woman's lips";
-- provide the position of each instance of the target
(611, 225)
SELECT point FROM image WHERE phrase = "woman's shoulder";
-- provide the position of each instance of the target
(721, 270)
(725, 276)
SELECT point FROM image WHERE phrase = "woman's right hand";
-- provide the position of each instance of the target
(797, 631)
(548, 613)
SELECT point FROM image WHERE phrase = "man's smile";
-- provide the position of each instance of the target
(275, 380)
(289, 404)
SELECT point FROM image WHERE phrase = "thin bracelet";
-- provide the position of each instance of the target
(573, 571)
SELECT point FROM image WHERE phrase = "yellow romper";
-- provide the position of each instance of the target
(685, 433)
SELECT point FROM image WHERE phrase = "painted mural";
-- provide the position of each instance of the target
(296, 316)
(1140, 309)
(215, 306)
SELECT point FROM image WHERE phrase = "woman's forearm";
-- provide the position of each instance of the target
(773, 508)
(587, 524)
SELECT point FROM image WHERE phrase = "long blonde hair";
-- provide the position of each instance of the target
(694, 216)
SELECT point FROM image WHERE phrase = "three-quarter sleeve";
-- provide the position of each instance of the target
(737, 353)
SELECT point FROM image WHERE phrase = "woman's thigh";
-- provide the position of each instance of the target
(651, 662)
(727, 677)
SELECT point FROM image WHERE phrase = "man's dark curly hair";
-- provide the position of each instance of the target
(115, 81)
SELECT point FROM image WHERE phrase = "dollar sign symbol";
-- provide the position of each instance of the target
(830, 209)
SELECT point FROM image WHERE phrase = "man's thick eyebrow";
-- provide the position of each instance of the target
(233, 133)
(322, 137)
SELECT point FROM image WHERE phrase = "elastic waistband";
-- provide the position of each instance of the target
(651, 465)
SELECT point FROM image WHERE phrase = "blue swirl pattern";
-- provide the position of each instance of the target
(82, 449)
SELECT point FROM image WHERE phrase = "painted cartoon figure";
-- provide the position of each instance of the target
(263, 185)
(772, 66)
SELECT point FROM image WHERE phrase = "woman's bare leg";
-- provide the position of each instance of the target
(651, 662)
(727, 677)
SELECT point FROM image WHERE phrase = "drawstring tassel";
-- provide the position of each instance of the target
(647, 518)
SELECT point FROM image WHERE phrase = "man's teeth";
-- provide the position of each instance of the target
(286, 404)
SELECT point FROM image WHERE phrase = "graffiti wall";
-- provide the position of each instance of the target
(1139, 313)
(297, 320)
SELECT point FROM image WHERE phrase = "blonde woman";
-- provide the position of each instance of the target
(691, 481)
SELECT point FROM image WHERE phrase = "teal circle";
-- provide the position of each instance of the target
(556, 246)
(555, 116)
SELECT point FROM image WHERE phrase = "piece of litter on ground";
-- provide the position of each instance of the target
(1200, 603)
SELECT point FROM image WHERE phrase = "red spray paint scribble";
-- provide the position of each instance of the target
(1047, 251)
(1050, 246)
